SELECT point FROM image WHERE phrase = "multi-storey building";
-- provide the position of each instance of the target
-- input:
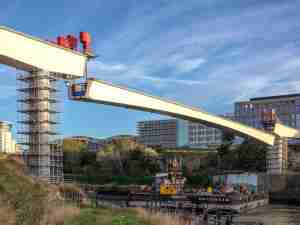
(287, 108)
(203, 136)
(169, 133)
(173, 133)
(7, 143)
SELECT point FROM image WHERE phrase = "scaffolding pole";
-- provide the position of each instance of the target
(38, 122)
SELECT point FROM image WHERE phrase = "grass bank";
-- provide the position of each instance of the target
(25, 201)
(121, 217)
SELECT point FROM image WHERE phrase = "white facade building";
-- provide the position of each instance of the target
(167, 133)
(175, 133)
(7, 143)
(201, 136)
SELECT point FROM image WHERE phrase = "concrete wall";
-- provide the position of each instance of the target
(285, 188)
(294, 159)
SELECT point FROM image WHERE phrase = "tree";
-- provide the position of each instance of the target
(73, 146)
(251, 156)
(128, 158)
(224, 150)
(111, 154)
(73, 151)
(228, 137)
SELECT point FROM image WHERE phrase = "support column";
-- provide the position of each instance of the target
(38, 125)
(277, 157)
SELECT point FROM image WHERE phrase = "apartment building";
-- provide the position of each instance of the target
(7, 143)
(169, 133)
(201, 136)
(287, 108)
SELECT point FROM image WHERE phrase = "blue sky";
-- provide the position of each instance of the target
(204, 53)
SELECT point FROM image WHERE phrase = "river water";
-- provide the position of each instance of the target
(274, 215)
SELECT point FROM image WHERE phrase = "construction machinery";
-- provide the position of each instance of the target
(172, 182)
(44, 61)
(269, 119)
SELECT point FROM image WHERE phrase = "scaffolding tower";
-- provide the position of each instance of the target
(38, 125)
(277, 155)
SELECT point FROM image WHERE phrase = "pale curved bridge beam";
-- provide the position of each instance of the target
(105, 93)
(285, 131)
(28, 53)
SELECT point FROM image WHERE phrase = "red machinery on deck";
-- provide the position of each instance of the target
(71, 41)
(85, 39)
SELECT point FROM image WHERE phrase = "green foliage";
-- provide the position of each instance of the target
(185, 152)
(249, 156)
(86, 216)
(126, 180)
(28, 199)
(227, 137)
(125, 220)
(106, 217)
(92, 179)
(122, 158)
(227, 140)
(198, 180)
(128, 158)
(74, 146)
(75, 156)
(24, 201)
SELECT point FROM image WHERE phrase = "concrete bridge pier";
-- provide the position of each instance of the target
(38, 123)
(277, 156)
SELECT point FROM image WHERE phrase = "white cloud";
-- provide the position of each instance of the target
(291, 64)
(183, 63)
(189, 65)
(134, 74)
(171, 80)
(245, 59)
(131, 74)
(107, 67)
